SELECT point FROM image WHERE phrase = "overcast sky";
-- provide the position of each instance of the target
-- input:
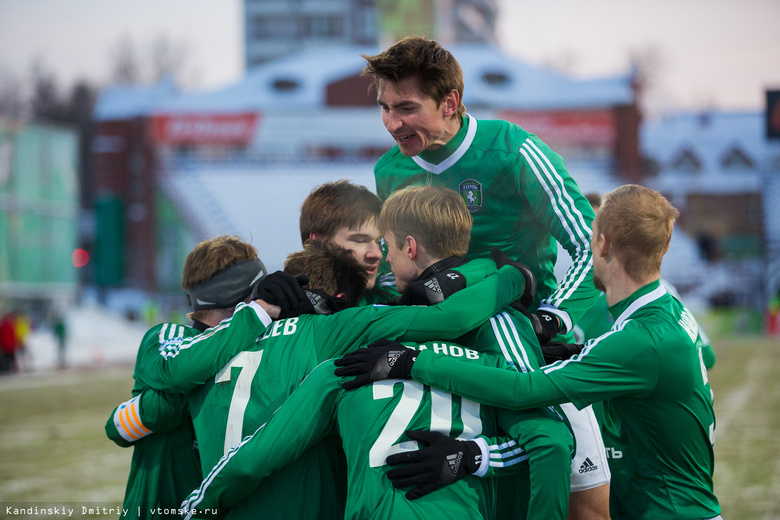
(708, 53)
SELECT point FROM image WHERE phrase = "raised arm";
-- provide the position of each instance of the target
(567, 214)
(184, 363)
(448, 320)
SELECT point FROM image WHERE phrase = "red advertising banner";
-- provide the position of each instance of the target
(191, 129)
(567, 127)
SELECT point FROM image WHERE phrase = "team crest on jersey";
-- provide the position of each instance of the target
(171, 346)
(471, 191)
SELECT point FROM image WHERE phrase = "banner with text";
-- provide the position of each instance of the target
(200, 129)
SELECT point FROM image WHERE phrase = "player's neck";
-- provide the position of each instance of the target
(621, 286)
(451, 128)
(424, 261)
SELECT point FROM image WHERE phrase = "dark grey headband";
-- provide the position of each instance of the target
(227, 287)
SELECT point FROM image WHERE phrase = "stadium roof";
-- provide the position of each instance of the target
(299, 81)
(707, 152)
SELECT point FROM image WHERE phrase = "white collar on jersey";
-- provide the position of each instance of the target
(640, 302)
(471, 131)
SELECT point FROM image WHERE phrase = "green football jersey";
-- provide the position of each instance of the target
(291, 348)
(223, 411)
(186, 363)
(511, 334)
(658, 420)
(166, 464)
(522, 200)
(165, 458)
(371, 422)
(597, 321)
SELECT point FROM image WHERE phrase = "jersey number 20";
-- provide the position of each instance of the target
(407, 407)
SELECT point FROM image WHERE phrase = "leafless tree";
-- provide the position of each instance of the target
(647, 65)
(145, 64)
(167, 59)
(564, 61)
(124, 62)
(12, 101)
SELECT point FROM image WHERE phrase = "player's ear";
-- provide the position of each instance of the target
(604, 245)
(451, 102)
(411, 248)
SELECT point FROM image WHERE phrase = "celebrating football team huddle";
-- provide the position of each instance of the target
(417, 358)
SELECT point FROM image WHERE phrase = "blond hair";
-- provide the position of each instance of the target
(638, 222)
(435, 216)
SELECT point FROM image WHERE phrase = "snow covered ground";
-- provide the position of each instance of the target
(95, 336)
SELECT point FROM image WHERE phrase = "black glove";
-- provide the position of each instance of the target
(443, 461)
(383, 359)
(433, 290)
(558, 351)
(284, 291)
(529, 292)
(324, 303)
(546, 325)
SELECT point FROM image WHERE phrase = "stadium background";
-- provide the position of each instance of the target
(95, 224)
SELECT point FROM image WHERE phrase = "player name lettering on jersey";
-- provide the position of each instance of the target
(612, 453)
(449, 350)
(281, 328)
(688, 323)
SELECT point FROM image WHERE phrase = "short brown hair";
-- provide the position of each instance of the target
(437, 71)
(211, 256)
(330, 268)
(335, 205)
(435, 216)
(594, 199)
(638, 222)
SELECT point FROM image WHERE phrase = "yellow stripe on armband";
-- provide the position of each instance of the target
(127, 420)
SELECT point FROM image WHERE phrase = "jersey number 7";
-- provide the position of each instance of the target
(249, 362)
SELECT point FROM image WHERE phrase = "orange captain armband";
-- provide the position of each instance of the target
(127, 419)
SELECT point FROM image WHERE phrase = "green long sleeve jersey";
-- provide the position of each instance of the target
(270, 373)
(658, 415)
(597, 321)
(166, 465)
(522, 200)
(181, 359)
(371, 422)
(185, 363)
(510, 333)
(250, 387)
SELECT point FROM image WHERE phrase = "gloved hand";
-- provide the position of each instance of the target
(382, 359)
(323, 303)
(434, 289)
(529, 293)
(284, 291)
(443, 461)
(558, 351)
(546, 325)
